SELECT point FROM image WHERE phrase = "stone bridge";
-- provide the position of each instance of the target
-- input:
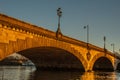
(48, 49)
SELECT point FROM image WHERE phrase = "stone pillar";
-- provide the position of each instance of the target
(88, 67)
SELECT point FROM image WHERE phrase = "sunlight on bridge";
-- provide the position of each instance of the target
(47, 50)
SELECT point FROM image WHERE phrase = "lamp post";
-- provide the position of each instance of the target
(104, 38)
(113, 45)
(88, 53)
(104, 42)
(87, 27)
(105, 50)
(58, 32)
(59, 13)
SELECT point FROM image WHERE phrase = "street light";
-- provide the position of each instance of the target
(104, 42)
(113, 45)
(87, 27)
(59, 13)
(104, 38)
(88, 53)
(58, 32)
(105, 50)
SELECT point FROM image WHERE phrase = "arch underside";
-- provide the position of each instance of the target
(52, 58)
(118, 67)
(103, 64)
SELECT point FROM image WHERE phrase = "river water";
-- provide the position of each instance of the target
(30, 73)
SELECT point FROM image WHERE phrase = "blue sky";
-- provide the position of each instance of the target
(102, 16)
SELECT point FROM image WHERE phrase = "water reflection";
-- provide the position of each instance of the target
(15, 72)
(88, 76)
(56, 75)
(52, 75)
(100, 76)
(29, 73)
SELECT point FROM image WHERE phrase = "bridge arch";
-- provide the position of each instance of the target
(99, 60)
(46, 56)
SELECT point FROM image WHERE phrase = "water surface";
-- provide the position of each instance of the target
(30, 73)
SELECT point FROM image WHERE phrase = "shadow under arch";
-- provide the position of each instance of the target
(102, 63)
(53, 58)
(118, 66)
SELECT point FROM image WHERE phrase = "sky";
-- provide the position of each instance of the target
(102, 16)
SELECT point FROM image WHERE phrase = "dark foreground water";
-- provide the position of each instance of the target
(29, 73)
